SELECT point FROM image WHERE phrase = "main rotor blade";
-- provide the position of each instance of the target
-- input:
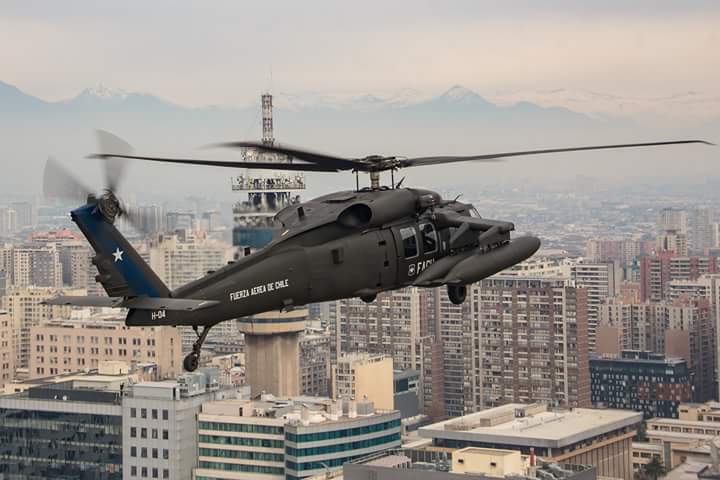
(59, 183)
(337, 163)
(114, 166)
(304, 167)
(419, 161)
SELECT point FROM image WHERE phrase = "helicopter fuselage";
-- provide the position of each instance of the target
(352, 244)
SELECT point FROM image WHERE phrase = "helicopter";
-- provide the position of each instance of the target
(354, 243)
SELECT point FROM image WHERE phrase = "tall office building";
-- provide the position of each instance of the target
(61, 346)
(532, 342)
(673, 241)
(7, 354)
(271, 339)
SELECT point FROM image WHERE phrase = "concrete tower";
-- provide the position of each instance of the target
(272, 338)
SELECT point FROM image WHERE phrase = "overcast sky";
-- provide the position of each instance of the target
(222, 52)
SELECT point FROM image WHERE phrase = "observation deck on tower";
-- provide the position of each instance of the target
(268, 191)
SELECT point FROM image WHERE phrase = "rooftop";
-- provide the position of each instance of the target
(532, 425)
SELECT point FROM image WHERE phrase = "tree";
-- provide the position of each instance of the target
(654, 468)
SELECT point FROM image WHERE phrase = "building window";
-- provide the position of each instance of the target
(154, 453)
(133, 413)
(133, 471)
(143, 472)
(155, 473)
(165, 435)
(143, 452)
(165, 414)
(166, 454)
(133, 432)
(143, 413)
(154, 414)
(133, 451)
(155, 433)
(166, 473)
(143, 433)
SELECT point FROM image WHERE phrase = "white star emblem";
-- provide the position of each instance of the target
(118, 255)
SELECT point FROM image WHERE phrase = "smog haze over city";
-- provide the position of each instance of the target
(382, 310)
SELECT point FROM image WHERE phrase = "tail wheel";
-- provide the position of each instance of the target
(457, 293)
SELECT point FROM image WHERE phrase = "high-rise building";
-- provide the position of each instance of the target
(361, 376)
(37, 266)
(290, 438)
(455, 329)
(7, 354)
(187, 255)
(601, 281)
(75, 258)
(581, 436)
(61, 346)
(388, 326)
(315, 364)
(8, 221)
(160, 425)
(700, 229)
(658, 270)
(684, 328)
(672, 241)
(25, 212)
(532, 342)
(61, 430)
(641, 381)
(24, 305)
(672, 219)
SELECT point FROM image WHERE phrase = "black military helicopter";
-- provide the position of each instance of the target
(347, 244)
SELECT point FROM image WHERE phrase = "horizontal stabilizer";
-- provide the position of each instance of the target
(140, 303)
(85, 301)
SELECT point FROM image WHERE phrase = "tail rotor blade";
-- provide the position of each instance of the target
(114, 166)
(58, 183)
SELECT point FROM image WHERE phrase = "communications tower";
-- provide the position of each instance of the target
(272, 338)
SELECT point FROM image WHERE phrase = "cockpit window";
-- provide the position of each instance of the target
(409, 240)
(429, 238)
(474, 213)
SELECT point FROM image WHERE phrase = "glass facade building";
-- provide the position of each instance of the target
(57, 432)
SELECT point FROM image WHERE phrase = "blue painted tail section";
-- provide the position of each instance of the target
(122, 272)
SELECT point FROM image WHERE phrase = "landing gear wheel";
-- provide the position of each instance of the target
(457, 293)
(368, 298)
(191, 362)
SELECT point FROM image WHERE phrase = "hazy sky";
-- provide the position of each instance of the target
(222, 52)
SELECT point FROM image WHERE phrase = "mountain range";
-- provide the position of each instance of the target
(457, 121)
